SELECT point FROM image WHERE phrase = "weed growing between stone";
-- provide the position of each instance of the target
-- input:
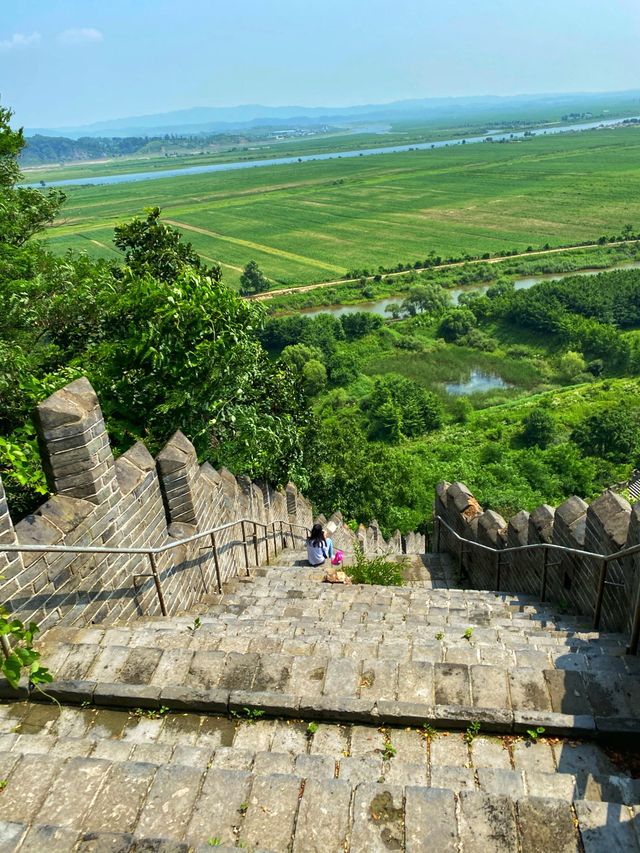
(376, 570)
(534, 734)
(248, 715)
(472, 732)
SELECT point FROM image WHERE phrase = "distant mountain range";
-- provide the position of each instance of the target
(223, 119)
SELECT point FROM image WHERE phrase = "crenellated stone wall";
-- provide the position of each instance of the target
(137, 501)
(606, 526)
(130, 502)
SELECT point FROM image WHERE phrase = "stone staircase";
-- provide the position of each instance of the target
(293, 715)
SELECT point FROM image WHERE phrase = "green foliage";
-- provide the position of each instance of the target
(468, 634)
(440, 635)
(152, 248)
(374, 570)
(534, 734)
(248, 715)
(472, 732)
(389, 751)
(22, 659)
(610, 434)
(253, 280)
(359, 324)
(428, 732)
(456, 323)
(312, 728)
(539, 428)
(398, 407)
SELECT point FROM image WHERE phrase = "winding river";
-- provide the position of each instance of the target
(133, 177)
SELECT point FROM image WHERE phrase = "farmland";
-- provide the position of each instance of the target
(316, 221)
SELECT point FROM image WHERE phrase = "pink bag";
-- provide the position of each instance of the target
(337, 558)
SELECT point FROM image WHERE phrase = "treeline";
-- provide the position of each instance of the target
(58, 149)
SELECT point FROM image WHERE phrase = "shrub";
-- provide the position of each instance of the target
(376, 570)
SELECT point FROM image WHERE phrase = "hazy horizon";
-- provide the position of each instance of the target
(116, 62)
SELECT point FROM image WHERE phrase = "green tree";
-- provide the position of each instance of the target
(24, 211)
(611, 434)
(253, 280)
(314, 377)
(151, 247)
(539, 428)
(426, 299)
(456, 323)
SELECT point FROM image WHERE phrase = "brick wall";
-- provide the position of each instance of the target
(131, 502)
(606, 526)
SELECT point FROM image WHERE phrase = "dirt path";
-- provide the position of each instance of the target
(306, 287)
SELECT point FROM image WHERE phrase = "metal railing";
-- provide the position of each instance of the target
(271, 531)
(547, 548)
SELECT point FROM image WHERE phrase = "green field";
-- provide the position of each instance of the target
(315, 221)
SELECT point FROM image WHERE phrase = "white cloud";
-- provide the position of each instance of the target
(81, 35)
(19, 40)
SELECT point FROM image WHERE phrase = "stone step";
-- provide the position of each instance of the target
(52, 804)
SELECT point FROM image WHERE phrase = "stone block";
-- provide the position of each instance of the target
(127, 695)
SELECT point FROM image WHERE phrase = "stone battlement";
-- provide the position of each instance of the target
(607, 525)
(135, 501)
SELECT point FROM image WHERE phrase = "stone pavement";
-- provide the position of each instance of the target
(98, 780)
(289, 716)
(283, 642)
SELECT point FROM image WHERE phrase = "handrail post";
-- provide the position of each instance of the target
(156, 580)
(602, 579)
(275, 539)
(498, 569)
(282, 536)
(255, 543)
(436, 534)
(545, 569)
(244, 545)
(216, 562)
(266, 543)
(634, 640)
(293, 541)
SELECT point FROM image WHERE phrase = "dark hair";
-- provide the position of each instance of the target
(316, 537)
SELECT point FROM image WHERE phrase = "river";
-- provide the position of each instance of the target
(380, 305)
(305, 158)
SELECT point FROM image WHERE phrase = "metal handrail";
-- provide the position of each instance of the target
(546, 547)
(153, 553)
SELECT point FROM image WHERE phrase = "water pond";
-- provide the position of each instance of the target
(476, 383)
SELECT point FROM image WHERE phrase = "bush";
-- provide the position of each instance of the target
(377, 570)
(539, 429)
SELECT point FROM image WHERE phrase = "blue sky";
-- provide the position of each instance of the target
(66, 62)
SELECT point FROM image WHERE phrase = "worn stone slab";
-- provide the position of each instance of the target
(572, 757)
(568, 692)
(490, 752)
(105, 842)
(497, 780)
(28, 786)
(403, 713)
(73, 793)
(606, 827)
(324, 817)
(274, 704)
(561, 725)
(127, 695)
(167, 808)
(178, 698)
(430, 821)
(452, 684)
(547, 824)
(254, 735)
(487, 823)
(342, 677)
(52, 838)
(330, 740)
(315, 766)
(559, 786)
(533, 757)
(11, 833)
(120, 798)
(489, 687)
(220, 807)
(307, 677)
(271, 812)
(528, 690)
(378, 819)
(361, 768)
(416, 682)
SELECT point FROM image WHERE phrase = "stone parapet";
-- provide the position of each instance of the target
(133, 502)
(605, 527)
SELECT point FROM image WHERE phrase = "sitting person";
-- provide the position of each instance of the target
(318, 547)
